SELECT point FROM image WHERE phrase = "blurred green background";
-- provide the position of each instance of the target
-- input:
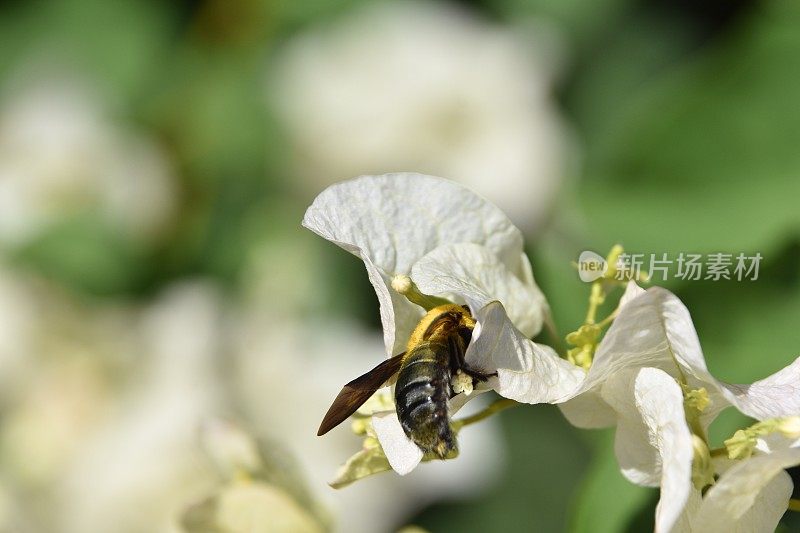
(150, 145)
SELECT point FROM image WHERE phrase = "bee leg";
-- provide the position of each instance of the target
(458, 362)
(477, 375)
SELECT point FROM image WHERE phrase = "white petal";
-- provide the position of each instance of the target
(392, 220)
(775, 396)
(632, 290)
(473, 273)
(685, 523)
(526, 372)
(395, 219)
(655, 329)
(653, 443)
(402, 453)
(458, 401)
(652, 330)
(751, 496)
(588, 410)
(774, 442)
(637, 338)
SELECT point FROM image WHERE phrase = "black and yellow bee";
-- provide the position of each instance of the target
(435, 353)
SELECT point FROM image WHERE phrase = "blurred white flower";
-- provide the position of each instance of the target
(430, 87)
(57, 362)
(256, 507)
(62, 154)
(18, 329)
(99, 430)
(47, 425)
(454, 244)
(229, 447)
(5, 508)
(137, 471)
(258, 491)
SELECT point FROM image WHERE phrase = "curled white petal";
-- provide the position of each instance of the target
(473, 273)
(636, 339)
(655, 334)
(775, 396)
(526, 372)
(393, 220)
(653, 443)
(402, 453)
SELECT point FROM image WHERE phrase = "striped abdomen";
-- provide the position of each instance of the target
(421, 395)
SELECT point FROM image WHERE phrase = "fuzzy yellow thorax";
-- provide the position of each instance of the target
(431, 316)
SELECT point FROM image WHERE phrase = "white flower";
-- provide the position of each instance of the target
(61, 155)
(428, 86)
(258, 490)
(646, 370)
(452, 244)
(57, 358)
(751, 495)
(141, 467)
(654, 329)
(7, 513)
(18, 330)
(256, 507)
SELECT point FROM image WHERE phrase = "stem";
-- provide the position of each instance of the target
(609, 319)
(491, 409)
(794, 505)
(596, 298)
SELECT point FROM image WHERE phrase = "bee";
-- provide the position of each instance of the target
(434, 354)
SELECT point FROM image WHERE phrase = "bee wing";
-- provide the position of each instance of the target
(358, 391)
